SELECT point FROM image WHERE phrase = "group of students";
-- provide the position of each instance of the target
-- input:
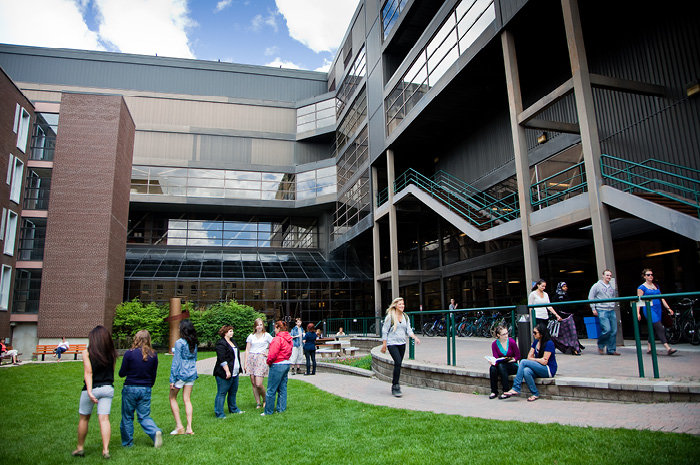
(264, 356)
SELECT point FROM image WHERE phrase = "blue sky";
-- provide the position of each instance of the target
(301, 34)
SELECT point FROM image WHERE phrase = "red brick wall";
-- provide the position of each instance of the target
(10, 96)
(83, 272)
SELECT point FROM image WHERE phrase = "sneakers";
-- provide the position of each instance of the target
(396, 390)
(158, 441)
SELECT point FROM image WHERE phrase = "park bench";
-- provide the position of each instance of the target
(328, 352)
(48, 349)
(9, 357)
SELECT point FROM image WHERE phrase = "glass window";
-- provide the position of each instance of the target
(5, 281)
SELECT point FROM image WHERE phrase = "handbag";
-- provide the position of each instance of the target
(666, 318)
(553, 327)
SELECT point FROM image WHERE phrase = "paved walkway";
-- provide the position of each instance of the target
(668, 417)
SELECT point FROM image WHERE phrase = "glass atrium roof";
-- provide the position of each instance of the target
(197, 264)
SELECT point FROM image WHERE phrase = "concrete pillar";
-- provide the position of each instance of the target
(590, 142)
(393, 230)
(175, 311)
(522, 164)
(376, 248)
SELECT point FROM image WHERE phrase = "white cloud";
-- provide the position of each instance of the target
(279, 63)
(223, 4)
(46, 23)
(326, 66)
(257, 23)
(269, 51)
(318, 24)
(146, 27)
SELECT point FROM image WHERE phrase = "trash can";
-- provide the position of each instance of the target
(524, 330)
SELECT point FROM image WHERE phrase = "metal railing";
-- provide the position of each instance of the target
(633, 300)
(477, 207)
(360, 326)
(559, 186)
(642, 177)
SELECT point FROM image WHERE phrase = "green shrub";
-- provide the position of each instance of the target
(208, 322)
(133, 316)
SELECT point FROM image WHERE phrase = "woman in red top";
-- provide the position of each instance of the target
(278, 360)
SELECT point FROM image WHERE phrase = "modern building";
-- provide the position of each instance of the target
(456, 149)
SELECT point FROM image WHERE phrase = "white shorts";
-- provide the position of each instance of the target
(180, 383)
(297, 356)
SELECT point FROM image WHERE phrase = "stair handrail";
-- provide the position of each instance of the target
(632, 184)
(550, 198)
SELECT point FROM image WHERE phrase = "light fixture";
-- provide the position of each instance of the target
(513, 282)
(542, 138)
(665, 252)
(436, 159)
(576, 272)
(693, 88)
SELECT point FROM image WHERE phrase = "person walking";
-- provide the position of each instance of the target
(605, 311)
(395, 331)
(278, 361)
(310, 349)
(254, 360)
(648, 287)
(183, 374)
(539, 296)
(226, 371)
(139, 366)
(567, 338)
(99, 360)
(453, 304)
(297, 348)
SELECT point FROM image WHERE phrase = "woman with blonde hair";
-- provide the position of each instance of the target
(140, 366)
(395, 331)
(255, 360)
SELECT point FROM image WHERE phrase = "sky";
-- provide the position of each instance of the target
(297, 34)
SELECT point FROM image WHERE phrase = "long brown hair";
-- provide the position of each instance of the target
(101, 346)
(142, 340)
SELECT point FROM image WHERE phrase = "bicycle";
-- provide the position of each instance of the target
(438, 327)
(689, 328)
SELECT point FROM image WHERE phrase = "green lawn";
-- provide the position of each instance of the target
(39, 420)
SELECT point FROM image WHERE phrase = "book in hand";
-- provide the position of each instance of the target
(493, 360)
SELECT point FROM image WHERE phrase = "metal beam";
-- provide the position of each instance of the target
(546, 101)
(626, 85)
(557, 126)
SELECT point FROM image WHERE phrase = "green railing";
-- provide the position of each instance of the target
(361, 326)
(479, 208)
(633, 301)
(671, 182)
(452, 325)
(559, 186)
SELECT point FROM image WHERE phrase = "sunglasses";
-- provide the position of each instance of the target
(649, 274)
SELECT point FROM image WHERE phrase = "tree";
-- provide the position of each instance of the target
(131, 317)
(208, 322)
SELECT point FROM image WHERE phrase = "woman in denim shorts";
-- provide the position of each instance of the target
(98, 362)
(183, 372)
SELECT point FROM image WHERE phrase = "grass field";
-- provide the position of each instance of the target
(39, 420)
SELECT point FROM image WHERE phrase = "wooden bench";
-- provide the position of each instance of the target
(48, 349)
(9, 357)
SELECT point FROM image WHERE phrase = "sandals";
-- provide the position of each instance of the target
(509, 394)
(493, 395)
(78, 453)
(177, 431)
(532, 398)
(503, 396)
(672, 351)
(258, 405)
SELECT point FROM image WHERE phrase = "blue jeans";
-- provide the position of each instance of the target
(224, 387)
(276, 384)
(136, 398)
(608, 330)
(530, 369)
(59, 351)
(310, 357)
